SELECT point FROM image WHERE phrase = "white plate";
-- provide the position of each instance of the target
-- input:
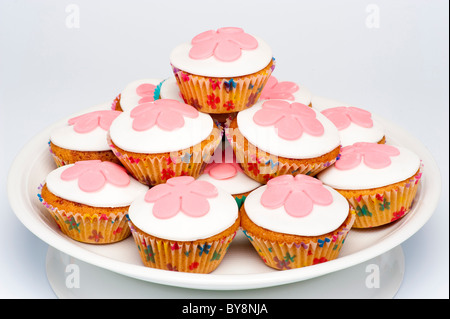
(241, 268)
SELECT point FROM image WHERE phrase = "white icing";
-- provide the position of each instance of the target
(402, 167)
(129, 98)
(251, 61)
(355, 133)
(321, 103)
(170, 90)
(108, 196)
(223, 214)
(157, 140)
(267, 139)
(238, 184)
(302, 95)
(65, 136)
(352, 133)
(322, 220)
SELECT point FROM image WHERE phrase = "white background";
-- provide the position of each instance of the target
(395, 66)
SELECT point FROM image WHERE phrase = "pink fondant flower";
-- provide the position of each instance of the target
(93, 175)
(182, 193)
(297, 194)
(146, 91)
(166, 114)
(375, 155)
(343, 116)
(290, 119)
(225, 44)
(222, 170)
(279, 90)
(90, 121)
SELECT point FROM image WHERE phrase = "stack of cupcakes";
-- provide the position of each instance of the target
(220, 146)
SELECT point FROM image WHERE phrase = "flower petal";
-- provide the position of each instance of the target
(202, 50)
(167, 206)
(267, 117)
(319, 194)
(77, 169)
(312, 126)
(289, 128)
(227, 51)
(115, 174)
(194, 205)
(338, 116)
(157, 192)
(203, 188)
(169, 120)
(298, 204)
(91, 180)
(360, 117)
(274, 196)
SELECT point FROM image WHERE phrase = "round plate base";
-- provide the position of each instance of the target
(377, 278)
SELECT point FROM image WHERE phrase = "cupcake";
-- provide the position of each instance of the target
(277, 137)
(170, 90)
(295, 222)
(355, 125)
(162, 139)
(82, 138)
(225, 173)
(89, 200)
(380, 181)
(285, 90)
(137, 92)
(222, 71)
(184, 225)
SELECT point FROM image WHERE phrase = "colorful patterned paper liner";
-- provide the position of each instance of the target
(192, 257)
(284, 256)
(262, 166)
(222, 95)
(90, 229)
(156, 169)
(240, 198)
(387, 207)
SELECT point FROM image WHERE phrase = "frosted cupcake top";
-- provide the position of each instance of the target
(160, 126)
(355, 125)
(288, 129)
(184, 209)
(299, 205)
(170, 90)
(285, 90)
(225, 52)
(138, 92)
(370, 165)
(225, 173)
(95, 183)
(86, 132)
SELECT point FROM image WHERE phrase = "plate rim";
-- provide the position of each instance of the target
(18, 176)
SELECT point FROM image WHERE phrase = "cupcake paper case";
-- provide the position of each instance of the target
(222, 71)
(294, 222)
(184, 225)
(89, 200)
(162, 139)
(83, 137)
(277, 137)
(170, 90)
(380, 181)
